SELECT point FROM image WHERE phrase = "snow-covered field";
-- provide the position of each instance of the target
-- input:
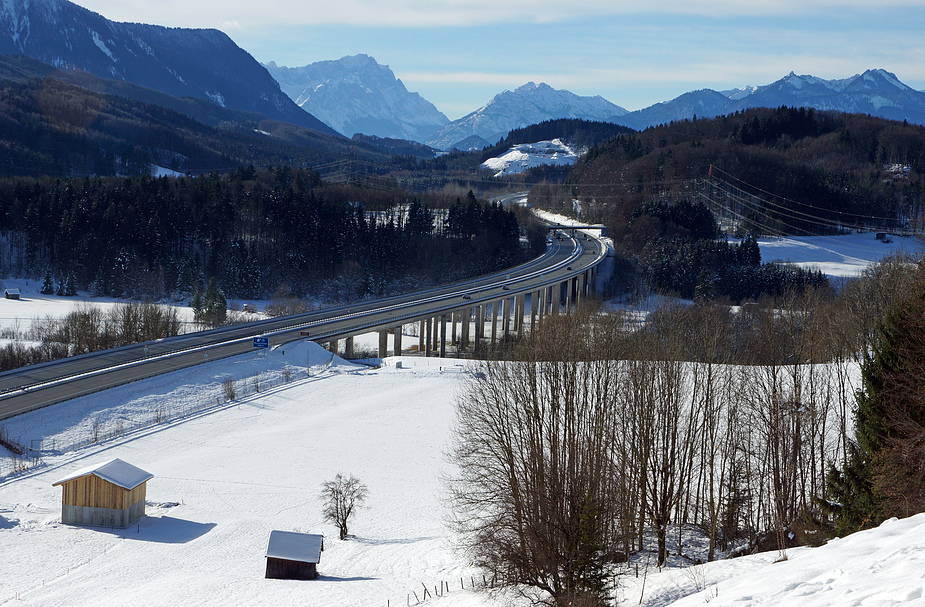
(837, 256)
(522, 157)
(224, 477)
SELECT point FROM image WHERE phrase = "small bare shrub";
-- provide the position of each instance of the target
(96, 429)
(228, 388)
(13, 446)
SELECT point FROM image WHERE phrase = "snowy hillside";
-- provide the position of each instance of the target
(529, 104)
(227, 473)
(224, 478)
(183, 62)
(526, 156)
(357, 95)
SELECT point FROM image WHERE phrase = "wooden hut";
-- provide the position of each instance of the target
(11, 293)
(293, 556)
(110, 494)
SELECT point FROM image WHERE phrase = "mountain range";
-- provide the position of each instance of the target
(203, 73)
(197, 63)
(876, 92)
(357, 95)
(526, 105)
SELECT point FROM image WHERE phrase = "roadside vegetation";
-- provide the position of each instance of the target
(597, 430)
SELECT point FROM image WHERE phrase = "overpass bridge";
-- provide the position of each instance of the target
(455, 313)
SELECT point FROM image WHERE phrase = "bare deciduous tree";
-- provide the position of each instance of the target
(536, 495)
(341, 497)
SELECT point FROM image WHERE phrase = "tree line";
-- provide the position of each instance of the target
(251, 230)
(88, 328)
(602, 430)
(838, 164)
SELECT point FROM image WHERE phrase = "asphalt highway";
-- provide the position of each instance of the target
(37, 386)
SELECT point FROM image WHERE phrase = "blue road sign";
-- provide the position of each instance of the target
(261, 342)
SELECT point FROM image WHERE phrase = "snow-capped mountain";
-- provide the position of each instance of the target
(526, 156)
(529, 104)
(197, 63)
(357, 95)
(704, 103)
(875, 92)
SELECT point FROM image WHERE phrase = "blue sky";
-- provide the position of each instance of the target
(459, 53)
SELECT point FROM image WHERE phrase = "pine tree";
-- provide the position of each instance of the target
(48, 286)
(197, 305)
(215, 306)
(70, 287)
(882, 474)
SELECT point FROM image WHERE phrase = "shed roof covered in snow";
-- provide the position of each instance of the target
(291, 546)
(115, 471)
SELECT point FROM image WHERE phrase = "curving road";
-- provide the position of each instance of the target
(37, 386)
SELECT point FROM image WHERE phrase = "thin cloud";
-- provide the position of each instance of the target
(454, 13)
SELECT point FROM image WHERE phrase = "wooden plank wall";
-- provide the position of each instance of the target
(92, 491)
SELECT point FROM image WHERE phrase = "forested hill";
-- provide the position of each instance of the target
(252, 230)
(62, 123)
(581, 133)
(809, 164)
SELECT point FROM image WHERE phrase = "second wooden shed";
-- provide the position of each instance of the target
(293, 556)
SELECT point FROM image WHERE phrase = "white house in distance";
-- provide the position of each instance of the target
(110, 494)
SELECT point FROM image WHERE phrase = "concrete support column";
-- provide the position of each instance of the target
(555, 296)
(568, 295)
(422, 328)
(534, 299)
(494, 321)
(383, 343)
(443, 336)
(453, 317)
(435, 335)
(519, 313)
(332, 346)
(516, 316)
(397, 340)
(348, 348)
(466, 321)
(479, 323)
(506, 311)
(428, 340)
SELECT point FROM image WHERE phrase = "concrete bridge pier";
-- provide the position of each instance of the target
(479, 323)
(396, 338)
(421, 329)
(443, 336)
(466, 322)
(428, 342)
(520, 303)
(383, 343)
(506, 312)
(348, 347)
(494, 322)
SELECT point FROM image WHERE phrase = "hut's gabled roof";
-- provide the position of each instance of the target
(291, 546)
(115, 471)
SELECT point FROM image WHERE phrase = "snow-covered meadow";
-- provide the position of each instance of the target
(522, 157)
(228, 474)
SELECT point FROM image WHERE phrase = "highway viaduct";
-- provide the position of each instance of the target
(456, 313)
